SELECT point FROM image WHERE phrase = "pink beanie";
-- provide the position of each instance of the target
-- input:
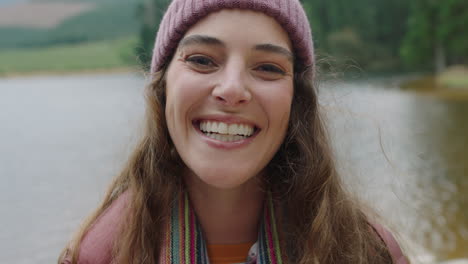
(182, 14)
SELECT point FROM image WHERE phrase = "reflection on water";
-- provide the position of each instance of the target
(448, 184)
(408, 156)
(61, 141)
(63, 138)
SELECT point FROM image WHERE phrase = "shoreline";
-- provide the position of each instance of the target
(426, 85)
(14, 75)
(423, 85)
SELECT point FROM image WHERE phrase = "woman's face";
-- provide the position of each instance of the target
(229, 92)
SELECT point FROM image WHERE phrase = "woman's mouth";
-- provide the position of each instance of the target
(226, 132)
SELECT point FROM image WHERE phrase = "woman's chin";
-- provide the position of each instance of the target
(222, 181)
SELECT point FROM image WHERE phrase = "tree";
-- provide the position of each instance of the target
(150, 13)
(373, 29)
(437, 33)
(369, 32)
(453, 29)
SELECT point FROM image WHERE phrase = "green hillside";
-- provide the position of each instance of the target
(109, 20)
(101, 55)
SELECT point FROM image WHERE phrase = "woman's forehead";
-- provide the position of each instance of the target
(246, 27)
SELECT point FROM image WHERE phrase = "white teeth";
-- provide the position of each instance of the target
(240, 130)
(214, 126)
(226, 129)
(225, 138)
(232, 129)
(246, 130)
(222, 128)
(243, 130)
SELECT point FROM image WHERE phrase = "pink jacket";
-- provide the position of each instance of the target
(96, 247)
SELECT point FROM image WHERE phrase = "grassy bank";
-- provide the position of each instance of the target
(102, 55)
(452, 84)
(429, 85)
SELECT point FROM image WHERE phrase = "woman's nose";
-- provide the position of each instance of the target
(232, 89)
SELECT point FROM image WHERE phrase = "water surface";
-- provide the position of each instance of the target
(62, 139)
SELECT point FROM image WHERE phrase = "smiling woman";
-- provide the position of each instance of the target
(235, 165)
(223, 78)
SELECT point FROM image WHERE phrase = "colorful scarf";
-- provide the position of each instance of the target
(184, 243)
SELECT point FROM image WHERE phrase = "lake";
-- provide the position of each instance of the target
(63, 138)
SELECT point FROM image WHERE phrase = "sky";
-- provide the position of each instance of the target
(5, 2)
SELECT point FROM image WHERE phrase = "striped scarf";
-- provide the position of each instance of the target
(184, 243)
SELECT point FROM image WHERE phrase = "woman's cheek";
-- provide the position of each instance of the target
(187, 91)
(278, 96)
(282, 104)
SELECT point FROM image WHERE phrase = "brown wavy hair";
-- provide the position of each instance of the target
(320, 221)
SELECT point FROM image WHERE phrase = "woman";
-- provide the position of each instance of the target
(235, 164)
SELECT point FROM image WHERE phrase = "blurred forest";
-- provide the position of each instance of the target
(372, 35)
(375, 35)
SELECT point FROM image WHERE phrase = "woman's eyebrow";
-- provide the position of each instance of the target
(207, 40)
(275, 49)
(200, 39)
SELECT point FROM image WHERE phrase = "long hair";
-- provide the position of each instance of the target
(319, 222)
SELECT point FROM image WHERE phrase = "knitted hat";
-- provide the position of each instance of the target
(182, 14)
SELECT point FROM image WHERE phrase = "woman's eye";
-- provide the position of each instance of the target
(200, 61)
(270, 68)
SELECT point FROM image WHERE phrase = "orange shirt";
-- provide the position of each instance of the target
(229, 254)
